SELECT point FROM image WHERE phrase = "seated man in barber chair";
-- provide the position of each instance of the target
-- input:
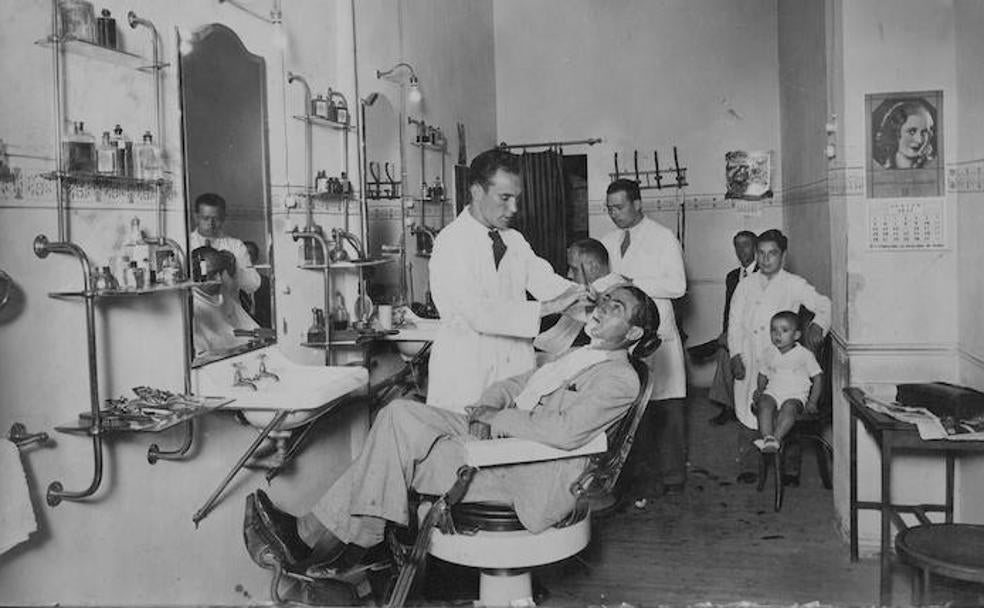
(218, 312)
(412, 446)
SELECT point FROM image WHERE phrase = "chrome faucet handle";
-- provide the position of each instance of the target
(240, 379)
(263, 373)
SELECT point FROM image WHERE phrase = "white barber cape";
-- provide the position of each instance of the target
(559, 338)
(247, 277)
(756, 300)
(654, 262)
(487, 324)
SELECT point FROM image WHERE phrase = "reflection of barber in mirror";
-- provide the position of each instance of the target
(906, 136)
(217, 314)
(480, 273)
(257, 304)
(587, 264)
(210, 215)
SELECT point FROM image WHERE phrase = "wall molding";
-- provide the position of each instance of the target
(30, 189)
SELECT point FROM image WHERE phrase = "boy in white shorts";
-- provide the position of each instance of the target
(788, 384)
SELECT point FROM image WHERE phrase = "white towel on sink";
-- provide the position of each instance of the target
(16, 511)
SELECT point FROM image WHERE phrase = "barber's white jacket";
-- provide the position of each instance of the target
(487, 324)
(654, 262)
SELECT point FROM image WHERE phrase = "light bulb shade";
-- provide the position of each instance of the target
(414, 95)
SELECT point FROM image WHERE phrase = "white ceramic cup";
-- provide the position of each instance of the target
(385, 314)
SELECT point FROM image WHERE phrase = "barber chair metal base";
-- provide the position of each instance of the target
(505, 558)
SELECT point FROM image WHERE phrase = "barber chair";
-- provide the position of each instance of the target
(490, 536)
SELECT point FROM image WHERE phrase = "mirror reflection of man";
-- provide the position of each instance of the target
(210, 215)
(217, 315)
(480, 273)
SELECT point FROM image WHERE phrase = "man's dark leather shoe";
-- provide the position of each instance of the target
(281, 530)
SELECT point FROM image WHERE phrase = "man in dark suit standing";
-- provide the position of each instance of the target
(723, 386)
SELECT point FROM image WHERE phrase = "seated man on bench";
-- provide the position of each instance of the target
(564, 404)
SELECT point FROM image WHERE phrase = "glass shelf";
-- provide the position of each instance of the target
(440, 201)
(351, 337)
(348, 264)
(92, 50)
(324, 122)
(111, 422)
(123, 293)
(430, 146)
(104, 178)
(329, 196)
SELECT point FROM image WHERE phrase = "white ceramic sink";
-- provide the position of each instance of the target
(410, 340)
(304, 390)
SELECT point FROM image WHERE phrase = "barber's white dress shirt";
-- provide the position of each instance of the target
(654, 262)
(247, 278)
(756, 300)
(487, 324)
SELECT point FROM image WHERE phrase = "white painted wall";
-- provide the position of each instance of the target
(702, 76)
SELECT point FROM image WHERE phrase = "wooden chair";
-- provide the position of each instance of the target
(490, 537)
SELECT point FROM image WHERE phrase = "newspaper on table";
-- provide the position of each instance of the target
(928, 424)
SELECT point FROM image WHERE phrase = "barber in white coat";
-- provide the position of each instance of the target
(650, 255)
(480, 272)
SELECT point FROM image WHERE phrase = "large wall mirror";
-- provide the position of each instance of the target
(383, 172)
(227, 188)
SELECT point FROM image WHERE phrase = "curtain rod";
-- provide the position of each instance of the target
(551, 144)
(249, 11)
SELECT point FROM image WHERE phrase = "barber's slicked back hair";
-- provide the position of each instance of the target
(773, 235)
(788, 315)
(593, 249)
(486, 164)
(628, 186)
(646, 316)
(210, 199)
(745, 234)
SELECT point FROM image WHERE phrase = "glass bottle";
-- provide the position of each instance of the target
(124, 152)
(437, 190)
(346, 184)
(106, 156)
(77, 20)
(331, 113)
(79, 150)
(147, 158)
(316, 333)
(104, 280)
(340, 316)
(341, 110)
(319, 106)
(321, 182)
(106, 29)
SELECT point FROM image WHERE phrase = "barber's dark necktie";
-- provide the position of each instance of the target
(498, 247)
(626, 239)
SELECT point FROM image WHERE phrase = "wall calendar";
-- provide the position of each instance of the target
(908, 224)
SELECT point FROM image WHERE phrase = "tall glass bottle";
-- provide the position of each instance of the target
(79, 150)
(147, 158)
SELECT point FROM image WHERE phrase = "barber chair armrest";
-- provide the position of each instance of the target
(510, 450)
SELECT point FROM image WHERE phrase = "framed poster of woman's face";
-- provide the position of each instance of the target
(905, 144)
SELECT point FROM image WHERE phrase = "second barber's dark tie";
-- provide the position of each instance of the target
(498, 247)
(626, 239)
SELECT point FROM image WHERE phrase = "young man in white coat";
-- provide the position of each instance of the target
(650, 255)
(480, 272)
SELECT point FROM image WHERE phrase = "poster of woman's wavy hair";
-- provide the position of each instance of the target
(905, 144)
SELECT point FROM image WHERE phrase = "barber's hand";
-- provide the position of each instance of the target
(813, 337)
(737, 367)
(481, 413)
(576, 294)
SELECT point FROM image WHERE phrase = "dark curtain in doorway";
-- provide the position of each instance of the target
(542, 215)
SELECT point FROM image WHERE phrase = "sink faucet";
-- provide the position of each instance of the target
(240, 379)
(263, 373)
(337, 235)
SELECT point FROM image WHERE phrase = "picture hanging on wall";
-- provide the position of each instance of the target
(748, 174)
(905, 144)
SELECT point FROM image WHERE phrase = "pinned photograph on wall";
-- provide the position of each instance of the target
(748, 174)
(905, 144)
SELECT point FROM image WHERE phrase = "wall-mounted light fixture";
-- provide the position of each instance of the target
(413, 95)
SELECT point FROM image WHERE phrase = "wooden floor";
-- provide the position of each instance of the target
(719, 543)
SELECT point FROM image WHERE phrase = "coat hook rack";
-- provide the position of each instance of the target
(652, 179)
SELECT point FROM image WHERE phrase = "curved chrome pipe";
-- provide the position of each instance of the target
(320, 239)
(43, 247)
(308, 161)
